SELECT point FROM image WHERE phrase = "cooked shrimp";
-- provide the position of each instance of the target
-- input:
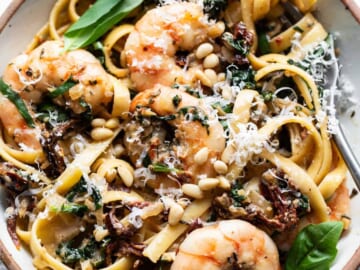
(41, 71)
(195, 127)
(151, 48)
(231, 244)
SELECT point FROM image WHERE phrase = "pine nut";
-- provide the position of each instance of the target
(100, 134)
(211, 74)
(77, 147)
(220, 167)
(192, 190)
(211, 61)
(226, 92)
(221, 77)
(201, 156)
(98, 122)
(203, 78)
(112, 123)
(224, 183)
(110, 175)
(204, 50)
(216, 30)
(175, 214)
(126, 176)
(118, 150)
(208, 183)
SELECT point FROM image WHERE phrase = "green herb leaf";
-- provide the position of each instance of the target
(315, 247)
(74, 208)
(264, 45)
(234, 194)
(162, 168)
(17, 101)
(96, 21)
(214, 7)
(62, 89)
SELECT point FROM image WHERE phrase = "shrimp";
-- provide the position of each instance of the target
(195, 128)
(39, 72)
(151, 47)
(231, 244)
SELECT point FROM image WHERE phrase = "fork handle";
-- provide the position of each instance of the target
(348, 155)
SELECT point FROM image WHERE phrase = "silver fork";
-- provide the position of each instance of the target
(339, 136)
(332, 82)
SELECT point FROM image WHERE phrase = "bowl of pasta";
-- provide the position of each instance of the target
(164, 134)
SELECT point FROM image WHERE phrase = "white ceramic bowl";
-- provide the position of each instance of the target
(32, 14)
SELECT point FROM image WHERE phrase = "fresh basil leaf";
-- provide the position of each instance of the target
(315, 247)
(62, 89)
(90, 27)
(93, 14)
(15, 98)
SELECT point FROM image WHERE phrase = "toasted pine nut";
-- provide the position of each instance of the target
(224, 183)
(203, 78)
(100, 134)
(211, 74)
(112, 123)
(226, 92)
(110, 175)
(216, 30)
(126, 175)
(175, 214)
(208, 183)
(204, 50)
(192, 190)
(77, 147)
(118, 150)
(201, 156)
(221, 77)
(211, 61)
(220, 167)
(98, 122)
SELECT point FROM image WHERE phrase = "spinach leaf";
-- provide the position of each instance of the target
(264, 45)
(244, 78)
(234, 194)
(69, 254)
(82, 188)
(315, 247)
(15, 98)
(214, 7)
(163, 168)
(51, 114)
(62, 89)
(74, 208)
(96, 21)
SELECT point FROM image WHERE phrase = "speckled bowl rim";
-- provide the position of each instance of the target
(5, 255)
